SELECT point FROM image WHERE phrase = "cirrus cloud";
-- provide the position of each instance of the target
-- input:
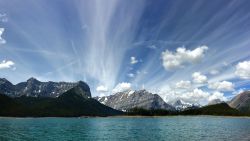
(214, 72)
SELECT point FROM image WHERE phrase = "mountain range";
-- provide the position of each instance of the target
(36, 98)
(73, 99)
(142, 99)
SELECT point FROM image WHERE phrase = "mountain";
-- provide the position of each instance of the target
(125, 101)
(241, 102)
(181, 105)
(222, 109)
(215, 101)
(73, 103)
(34, 88)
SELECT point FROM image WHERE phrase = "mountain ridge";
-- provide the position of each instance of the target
(134, 99)
(35, 88)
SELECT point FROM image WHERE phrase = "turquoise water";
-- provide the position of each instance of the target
(127, 129)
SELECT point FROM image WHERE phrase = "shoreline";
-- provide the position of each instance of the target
(137, 116)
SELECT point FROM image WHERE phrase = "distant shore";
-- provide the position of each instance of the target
(136, 116)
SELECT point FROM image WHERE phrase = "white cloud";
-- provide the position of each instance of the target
(102, 89)
(6, 64)
(195, 96)
(3, 17)
(183, 84)
(131, 75)
(121, 87)
(217, 95)
(214, 72)
(243, 70)
(173, 60)
(222, 86)
(191, 96)
(133, 60)
(199, 78)
(2, 41)
(241, 90)
(152, 47)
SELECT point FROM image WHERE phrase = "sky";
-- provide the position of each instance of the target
(194, 50)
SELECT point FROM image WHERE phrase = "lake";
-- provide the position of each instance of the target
(174, 128)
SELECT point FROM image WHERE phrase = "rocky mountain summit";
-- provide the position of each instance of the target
(34, 88)
(181, 105)
(134, 99)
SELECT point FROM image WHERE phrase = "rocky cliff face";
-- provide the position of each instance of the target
(134, 99)
(241, 102)
(35, 88)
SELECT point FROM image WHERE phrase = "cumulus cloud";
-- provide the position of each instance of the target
(217, 95)
(192, 96)
(222, 86)
(121, 87)
(133, 60)
(6, 64)
(173, 60)
(243, 70)
(102, 89)
(2, 41)
(199, 78)
(196, 95)
(183, 84)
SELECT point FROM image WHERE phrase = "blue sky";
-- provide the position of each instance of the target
(191, 50)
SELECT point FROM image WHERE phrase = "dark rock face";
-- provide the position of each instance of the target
(134, 99)
(241, 102)
(6, 87)
(35, 88)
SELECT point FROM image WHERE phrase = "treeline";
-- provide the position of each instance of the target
(68, 104)
(221, 109)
